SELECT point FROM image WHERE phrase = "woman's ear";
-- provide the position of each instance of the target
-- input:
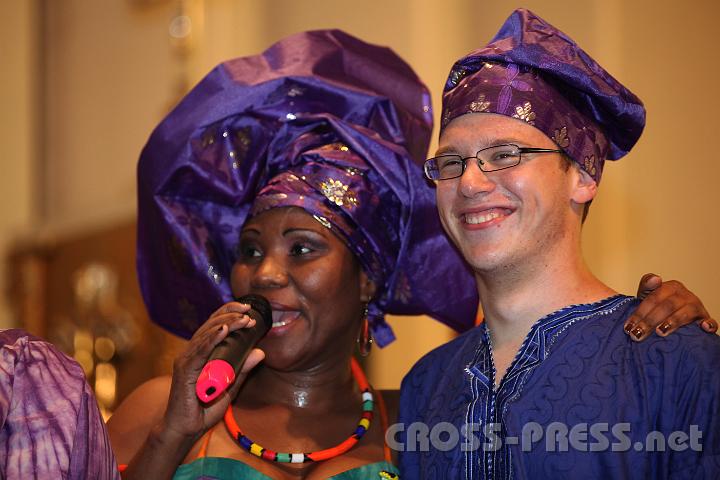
(367, 287)
(584, 186)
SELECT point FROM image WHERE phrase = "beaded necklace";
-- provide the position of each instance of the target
(266, 454)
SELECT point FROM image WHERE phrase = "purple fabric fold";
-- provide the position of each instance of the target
(534, 72)
(51, 426)
(319, 104)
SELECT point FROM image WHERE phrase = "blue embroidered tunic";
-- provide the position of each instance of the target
(580, 400)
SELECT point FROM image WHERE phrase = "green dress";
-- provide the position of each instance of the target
(218, 468)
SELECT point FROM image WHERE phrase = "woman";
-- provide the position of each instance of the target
(299, 154)
(305, 154)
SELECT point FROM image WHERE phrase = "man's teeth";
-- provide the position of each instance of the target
(475, 218)
(280, 323)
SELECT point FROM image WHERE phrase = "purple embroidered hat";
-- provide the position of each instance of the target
(321, 121)
(534, 72)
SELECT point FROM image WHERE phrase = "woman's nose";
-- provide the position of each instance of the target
(270, 273)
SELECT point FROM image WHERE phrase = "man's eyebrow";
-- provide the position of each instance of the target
(501, 141)
(483, 143)
(445, 150)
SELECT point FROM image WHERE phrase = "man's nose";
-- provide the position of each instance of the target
(474, 181)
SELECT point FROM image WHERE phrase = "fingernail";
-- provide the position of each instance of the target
(709, 326)
(665, 327)
(629, 327)
(638, 332)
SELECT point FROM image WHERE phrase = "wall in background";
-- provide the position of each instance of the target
(19, 136)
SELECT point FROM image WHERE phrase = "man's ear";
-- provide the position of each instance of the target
(584, 188)
(367, 287)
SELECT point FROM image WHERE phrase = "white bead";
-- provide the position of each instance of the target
(367, 396)
(297, 458)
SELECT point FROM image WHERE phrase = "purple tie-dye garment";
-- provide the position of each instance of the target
(51, 426)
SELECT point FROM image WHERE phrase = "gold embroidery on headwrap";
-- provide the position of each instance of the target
(590, 165)
(266, 202)
(338, 193)
(456, 75)
(295, 91)
(242, 145)
(323, 221)
(213, 273)
(375, 265)
(334, 146)
(525, 113)
(179, 257)
(208, 137)
(479, 105)
(561, 137)
(242, 138)
(445, 118)
(402, 289)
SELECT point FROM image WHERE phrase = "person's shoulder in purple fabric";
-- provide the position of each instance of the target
(50, 423)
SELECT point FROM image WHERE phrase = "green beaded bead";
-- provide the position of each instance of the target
(283, 457)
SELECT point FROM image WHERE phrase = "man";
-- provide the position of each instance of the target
(548, 386)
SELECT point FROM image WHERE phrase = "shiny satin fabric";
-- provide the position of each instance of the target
(319, 101)
(534, 72)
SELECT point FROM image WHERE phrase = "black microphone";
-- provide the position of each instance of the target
(229, 355)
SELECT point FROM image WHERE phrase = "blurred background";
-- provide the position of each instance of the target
(84, 82)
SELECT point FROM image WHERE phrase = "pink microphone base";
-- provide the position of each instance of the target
(216, 376)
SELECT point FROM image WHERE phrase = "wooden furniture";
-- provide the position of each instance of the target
(81, 293)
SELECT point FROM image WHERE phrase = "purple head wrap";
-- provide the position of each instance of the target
(322, 121)
(534, 72)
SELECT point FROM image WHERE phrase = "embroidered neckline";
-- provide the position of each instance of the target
(580, 307)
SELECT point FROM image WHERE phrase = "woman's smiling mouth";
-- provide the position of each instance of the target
(283, 318)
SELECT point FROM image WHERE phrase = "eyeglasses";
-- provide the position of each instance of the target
(497, 157)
